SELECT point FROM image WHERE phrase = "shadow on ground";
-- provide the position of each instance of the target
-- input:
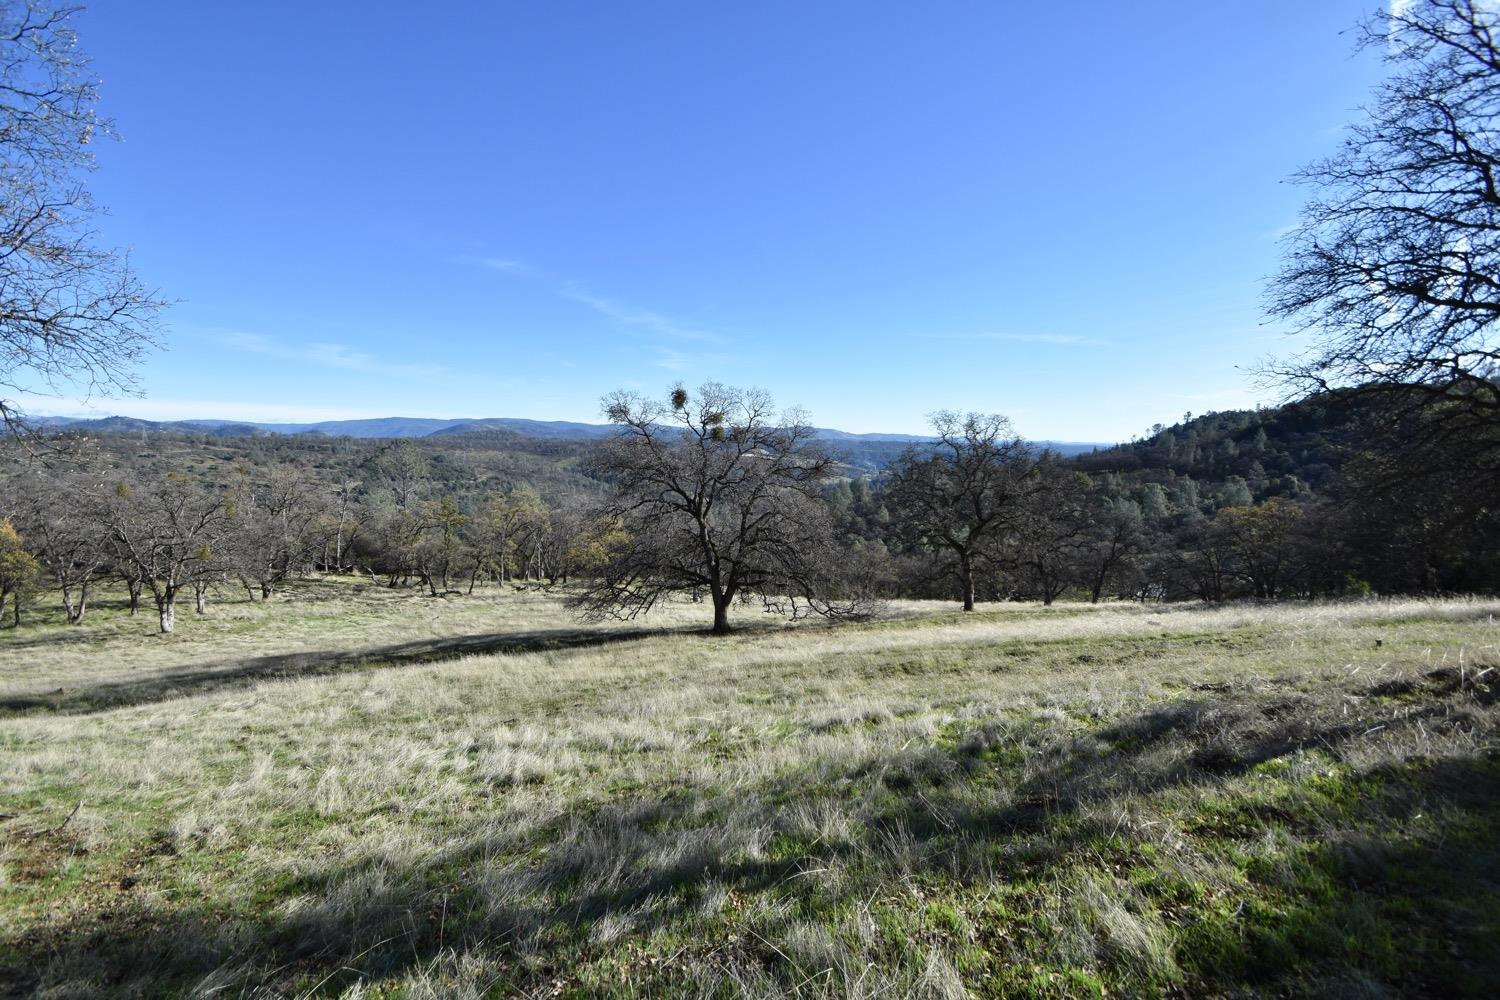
(1373, 902)
(205, 678)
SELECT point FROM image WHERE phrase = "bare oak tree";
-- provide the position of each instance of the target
(961, 497)
(71, 314)
(54, 513)
(168, 533)
(1394, 271)
(1395, 266)
(715, 493)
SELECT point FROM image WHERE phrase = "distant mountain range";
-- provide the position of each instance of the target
(416, 427)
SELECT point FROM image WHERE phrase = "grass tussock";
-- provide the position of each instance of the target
(1238, 801)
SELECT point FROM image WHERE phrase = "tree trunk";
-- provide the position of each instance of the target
(135, 597)
(721, 614)
(200, 598)
(967, 568)
(1098, 588)
(76, 609)
(166, 608)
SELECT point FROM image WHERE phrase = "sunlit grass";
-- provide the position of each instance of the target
(1024, 801)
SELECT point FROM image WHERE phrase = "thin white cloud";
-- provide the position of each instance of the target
(324, 354)
(507, 264)
(629, 315)
(681, 361)
(1059, 339)
(1273, 235)
(623, 313)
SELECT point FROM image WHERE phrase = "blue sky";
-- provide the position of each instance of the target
(1064, 213)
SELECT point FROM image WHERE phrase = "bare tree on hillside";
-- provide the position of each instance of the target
(964, 495)
(713, 492)
(68, 543)
(1394, 271)
(168, 532)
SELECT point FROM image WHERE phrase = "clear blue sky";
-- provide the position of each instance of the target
(1060, 212)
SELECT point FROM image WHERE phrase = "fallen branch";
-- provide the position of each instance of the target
(58, 828)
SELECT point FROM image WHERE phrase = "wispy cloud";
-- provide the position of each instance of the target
(327, 355)
(1280, 231)
(507, 264)
(623, 313)
(682, 361)
(1059, 339)
(629, 315)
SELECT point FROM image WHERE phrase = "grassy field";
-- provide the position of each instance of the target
(350, 791)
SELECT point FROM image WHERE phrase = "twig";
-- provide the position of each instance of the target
(58, 827)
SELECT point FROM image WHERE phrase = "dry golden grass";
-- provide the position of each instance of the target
(327, 794)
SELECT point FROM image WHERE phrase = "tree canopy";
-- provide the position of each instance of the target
(714, 492)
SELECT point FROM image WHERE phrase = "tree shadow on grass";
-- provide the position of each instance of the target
(1370, 900)
(206, 678)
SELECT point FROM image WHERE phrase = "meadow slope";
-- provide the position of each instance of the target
(349, 791)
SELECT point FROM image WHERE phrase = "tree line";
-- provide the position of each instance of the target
(716, 495)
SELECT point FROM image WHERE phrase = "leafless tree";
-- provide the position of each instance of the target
(168, 532)
(51, 509)
(71, 314)
(274, 530)
(964, 495)
(340, 523)
(715, 492)
(1394, 271)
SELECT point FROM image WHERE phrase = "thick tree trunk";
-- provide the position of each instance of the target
(135, 597)
(721, 615)
(967, 569)
(166, 609)
(200, 598)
